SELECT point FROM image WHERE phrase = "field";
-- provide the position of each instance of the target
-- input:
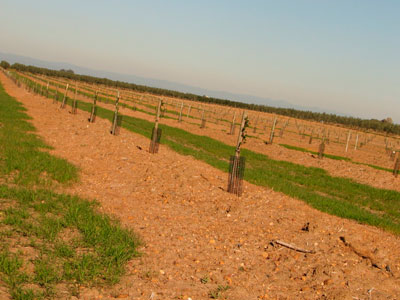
(202, 242)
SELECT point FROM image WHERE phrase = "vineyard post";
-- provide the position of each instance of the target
(356, 144)
(65, 96)
(348, 140)
(321, 149)
(271, 138)
(73, 110)
(115, 119)
(255, 124)
(56, 94)
(156, 134)
(203, 120)
(180, 113)
(94, 108)
(311, 136)
(328, 137)
(188, 113)
(232, 130)
(396, 165)
(47, 89)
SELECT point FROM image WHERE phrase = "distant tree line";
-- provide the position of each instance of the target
(372, 124)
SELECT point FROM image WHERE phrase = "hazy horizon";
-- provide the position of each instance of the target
(339, 56)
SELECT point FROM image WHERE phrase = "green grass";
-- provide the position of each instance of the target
(22, 150)
(335, 195)
(217, 293)
(69, 241)
(335, 157)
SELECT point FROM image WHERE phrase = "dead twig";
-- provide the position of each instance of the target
(292, 247)
(362, 254)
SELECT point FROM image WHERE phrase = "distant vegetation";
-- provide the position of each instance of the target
(4, 64)
(373, 124)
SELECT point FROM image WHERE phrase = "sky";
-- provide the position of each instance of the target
(340, 55)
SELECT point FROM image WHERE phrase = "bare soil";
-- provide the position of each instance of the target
(198, 237)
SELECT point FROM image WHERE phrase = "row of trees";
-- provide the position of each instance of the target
(372, 124)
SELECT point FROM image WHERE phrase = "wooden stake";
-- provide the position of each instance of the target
(73, 110)
(180, 113)
(355, 146)
(255, 125)
(271, 138)
(56, 95)
(65, 96)
(115, 121)
(321, 149)
(93, 112)
(203, 120)
(396, 167)
(348, 140)
(311, 136)
(232, 130)
(293, 247)
(155, 138)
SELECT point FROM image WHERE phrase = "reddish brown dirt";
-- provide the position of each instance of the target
(193, 229)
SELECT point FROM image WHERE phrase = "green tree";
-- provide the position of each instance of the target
(4, 64)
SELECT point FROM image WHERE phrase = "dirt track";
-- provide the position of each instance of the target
(194, 230)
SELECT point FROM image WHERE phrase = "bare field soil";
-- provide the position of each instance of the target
(200, 241)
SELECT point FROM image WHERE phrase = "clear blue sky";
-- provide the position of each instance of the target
(341, 55)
